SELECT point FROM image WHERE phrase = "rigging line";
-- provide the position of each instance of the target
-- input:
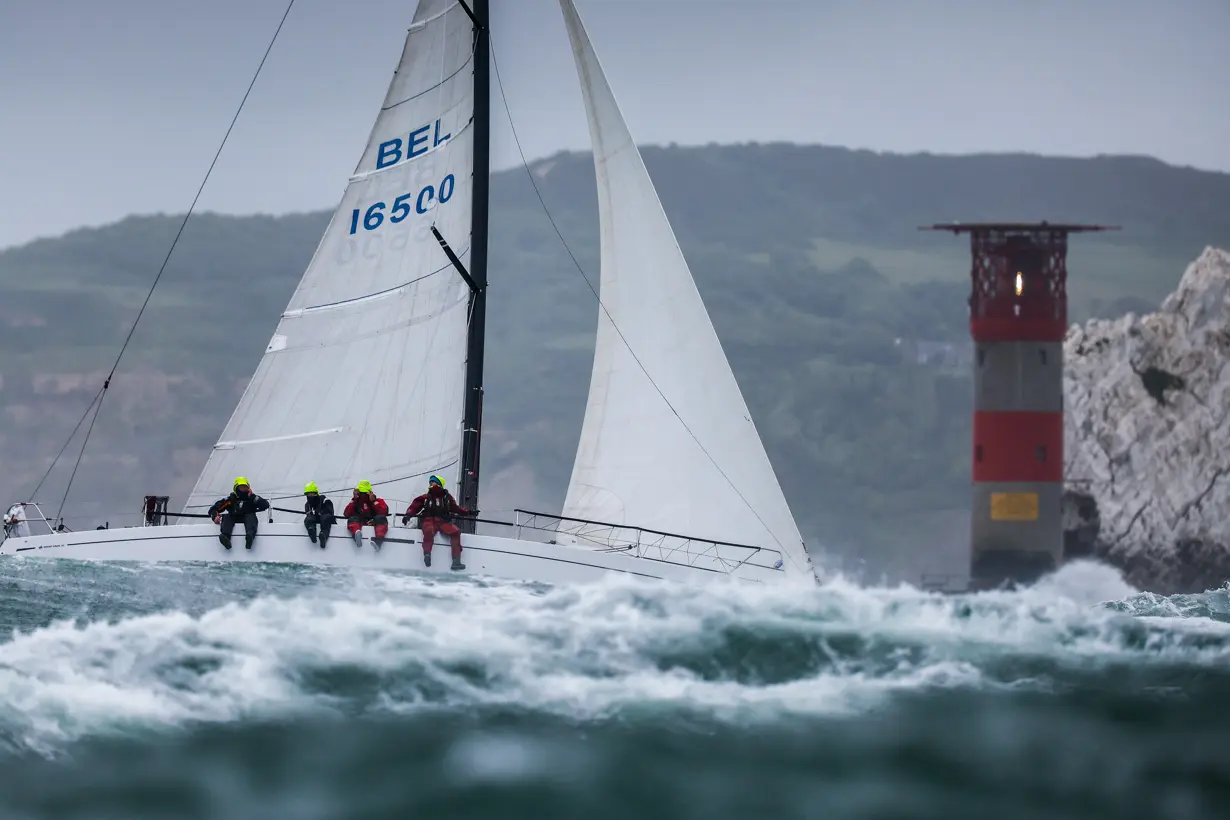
(73, 475)
(162, 269)
(67, 442)
(386, 481)
(199, 190)
(525, 164)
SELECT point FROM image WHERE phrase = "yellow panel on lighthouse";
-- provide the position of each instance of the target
(1014, 506)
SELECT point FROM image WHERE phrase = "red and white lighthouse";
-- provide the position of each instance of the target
(1018, 316)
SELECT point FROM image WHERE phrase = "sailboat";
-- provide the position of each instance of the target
(375, 369)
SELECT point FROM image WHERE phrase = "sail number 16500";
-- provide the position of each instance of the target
(373, 217)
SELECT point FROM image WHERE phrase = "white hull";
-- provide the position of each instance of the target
(483, 555)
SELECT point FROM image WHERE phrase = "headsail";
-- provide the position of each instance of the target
(364, 376)
(700, 468)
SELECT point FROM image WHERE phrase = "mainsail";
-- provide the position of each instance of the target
(364, 377)
(667, 442)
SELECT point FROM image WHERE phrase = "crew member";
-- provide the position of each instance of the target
(365, 508)
(241, 505)
(317, 512)
(15, 525)
(436, 510)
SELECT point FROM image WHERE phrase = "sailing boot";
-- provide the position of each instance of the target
(358, 538)
(312, 534)
(247, 541)
(377, 541)
(225, 539)
(426, 558)
(457, 564)
(323, 539)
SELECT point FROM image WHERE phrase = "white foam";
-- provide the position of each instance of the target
(580, 652)
(1087, 582)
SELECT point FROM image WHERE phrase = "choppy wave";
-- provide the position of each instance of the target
(203, 667)
(400, 644)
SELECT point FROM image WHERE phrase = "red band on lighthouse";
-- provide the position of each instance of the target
(1018, 446)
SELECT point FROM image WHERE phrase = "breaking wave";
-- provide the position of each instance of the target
(155, 649)
(224, 691)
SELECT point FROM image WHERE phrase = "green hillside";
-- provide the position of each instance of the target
(809, 259)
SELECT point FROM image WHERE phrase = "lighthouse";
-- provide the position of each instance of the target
(1018, 315)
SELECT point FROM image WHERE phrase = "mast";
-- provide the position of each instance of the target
(473, 418)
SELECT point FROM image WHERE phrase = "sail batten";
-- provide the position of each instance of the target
(446, 268)
(667, 442)
(364, 377)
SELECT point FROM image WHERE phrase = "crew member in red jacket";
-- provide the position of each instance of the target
(436, 509)
(366, 508)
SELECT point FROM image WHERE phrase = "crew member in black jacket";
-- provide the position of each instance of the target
(317, 512)
(241, 505)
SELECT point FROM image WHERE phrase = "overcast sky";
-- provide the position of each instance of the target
(114, 107)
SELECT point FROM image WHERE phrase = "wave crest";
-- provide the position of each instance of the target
(405, 643)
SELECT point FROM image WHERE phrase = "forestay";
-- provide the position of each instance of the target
(700, 468)
(364, 376)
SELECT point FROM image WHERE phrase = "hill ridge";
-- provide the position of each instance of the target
(809, 261)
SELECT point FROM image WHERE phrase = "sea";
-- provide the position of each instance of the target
(276, 691)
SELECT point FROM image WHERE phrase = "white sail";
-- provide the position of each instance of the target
(364, 376)
(667, 442)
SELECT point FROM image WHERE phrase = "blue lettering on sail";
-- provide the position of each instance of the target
(425, 197)
(418, 142)
(389, 152)
(373, 216)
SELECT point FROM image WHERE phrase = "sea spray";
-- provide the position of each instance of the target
(227, 691)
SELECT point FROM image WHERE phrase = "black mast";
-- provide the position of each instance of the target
(473, 419)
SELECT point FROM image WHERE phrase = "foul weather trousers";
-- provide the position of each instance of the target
(227, 525)
(324, 522)
(356, 522)
(433, 525)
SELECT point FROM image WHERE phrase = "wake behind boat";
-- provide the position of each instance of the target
(393, 307)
